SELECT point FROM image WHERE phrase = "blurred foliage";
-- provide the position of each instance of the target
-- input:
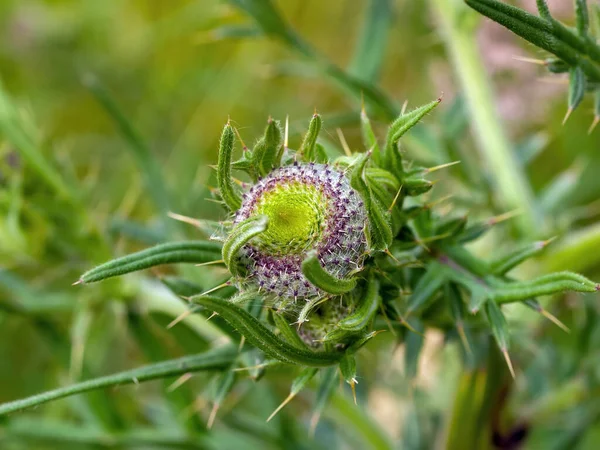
(110, 114)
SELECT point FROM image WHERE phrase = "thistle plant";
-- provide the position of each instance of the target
(574, 50)
(324, 252)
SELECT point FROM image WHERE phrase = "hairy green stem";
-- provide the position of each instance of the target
(212, 360)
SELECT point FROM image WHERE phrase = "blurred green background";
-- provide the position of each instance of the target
(110, 114)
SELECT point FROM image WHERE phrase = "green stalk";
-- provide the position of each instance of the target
(217, 359)
(510, 182)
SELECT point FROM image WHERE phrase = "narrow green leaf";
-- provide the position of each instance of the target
(505, 263)
(324, 392)
(307, 149)
(366, 310)
(473, 232)
(555, 65)
(361, 340)
(427, 286)
(498, 324)
(545, 285)
(415, 185)
(458, 312)
(297, 385)
(391, 158)
(169, 253)
(317, 275)
(413, 346)
(239, 236)
(348, 368)
(368, 136)
(287, 331)
(227, 188)
(321, 153)
(380, 227)
(223, 386)
(262, 338)
(576, 87)
(371, 47)
(301, 380)
(217, 359)
(408, 120)
(267, 148)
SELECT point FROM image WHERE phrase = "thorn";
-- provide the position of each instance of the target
(179, 381)
(212, 416)
(387, 252)
(543, 244)
(441, 97)
(211, 316)
(285, 402)
(80, 281)
(180, 317)
(259, 366)
(437, 201)
(242, 341)
(434, 238)
(554, 320)
(218, 261)
(509, 363)
(463, 337)
(353, 384)
(569, 111)
(539, 62)
(502, 217)
(409, 326)
(216, 288)
(395, 199)
(190, 220)
(237, 133)
(594, 124)
(342, 139)
(441, 166)
(387, 320)
(362, 103)
(404, 106)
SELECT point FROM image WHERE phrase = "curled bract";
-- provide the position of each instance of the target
(311, 209)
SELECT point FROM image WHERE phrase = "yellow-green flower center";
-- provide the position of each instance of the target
(297, 217)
